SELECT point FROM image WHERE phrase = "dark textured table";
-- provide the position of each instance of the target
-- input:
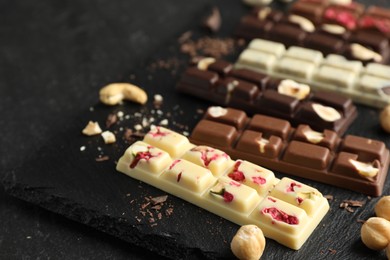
(54, 57)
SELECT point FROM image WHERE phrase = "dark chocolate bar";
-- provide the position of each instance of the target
(258, 93)
(355, 163)
(335, 29)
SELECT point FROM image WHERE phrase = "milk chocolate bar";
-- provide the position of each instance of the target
(217, 81)
(367, 84)
(242, 192)
(355, 163)
(329, 28)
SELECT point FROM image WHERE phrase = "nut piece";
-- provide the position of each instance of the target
(362, 53)
(92, 128)
(248, 243)
(293, 89)
(313, 137)
(340, 2)
(257, 2)
(303, 22)
(204, 63)
(384, 118)
(114, 93)
(262, 143)
(328, 114)
(217, 111)
(333, 28)
(382, 208)
(263, 13)
(365, 169)
(135, 94)
(108, 137)
(375, 233)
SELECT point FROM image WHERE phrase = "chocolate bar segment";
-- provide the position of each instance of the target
(356, 163)
(239, 191)
(329, 28)
(367, 84)
(258, 93)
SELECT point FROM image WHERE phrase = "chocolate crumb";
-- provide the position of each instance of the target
(160, 199)
(332, 251)
(111, 120)
(159, 215)
(143, 206)
(157, 207)
(185, 37)
(213, 20)
(168, 211)
(354, 203)
(153, 225)
(349, 209)
(102, 158)
(360, 221)
(328, 197)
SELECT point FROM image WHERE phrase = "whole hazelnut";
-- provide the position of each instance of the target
(382, 208)
(375, 233)
(384, 118)
(248, 243)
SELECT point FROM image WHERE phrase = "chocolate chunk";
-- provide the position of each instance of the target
(324, 42)
(286, 105)
(221, 67)
(257, 78)
(199, 78)
(367, 150)
(233, 117)
(288, 33)
(219, 134)
(251, 142)
(270, 126)
(251, 27)
(308, 155)
(312, 10)
(327, 138)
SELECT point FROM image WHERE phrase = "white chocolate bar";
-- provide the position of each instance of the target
(235, 190)
(363, 84)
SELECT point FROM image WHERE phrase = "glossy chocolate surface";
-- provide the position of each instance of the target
(368, 27)
(258, 93)
(320, 156)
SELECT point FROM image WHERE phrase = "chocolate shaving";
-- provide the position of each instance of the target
(160, 199)
(354, 203)
(185, 37)
(102, 158)
(168, 211)
(111, 120)
(332, 251)
(213, 21)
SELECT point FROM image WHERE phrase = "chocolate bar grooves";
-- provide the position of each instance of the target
(319, 156)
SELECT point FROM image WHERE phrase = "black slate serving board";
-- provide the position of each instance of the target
(65, 180)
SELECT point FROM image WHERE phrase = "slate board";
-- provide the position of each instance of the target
(65, 180)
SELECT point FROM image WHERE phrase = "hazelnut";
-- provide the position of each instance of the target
(217, 111)
(248, 243)
(204, 63)
(369, 170)
(303, 22)
(362, 53)
(375, 233)
(328, 114)
(313, 137)
(384, 118)
(293, 89)
(382, 208)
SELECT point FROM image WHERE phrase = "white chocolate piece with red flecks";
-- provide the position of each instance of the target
(233, 195)
(238, 202)
(173, 143)
(252, 175)
(144, 156)
(298, 194)
(189, 176)
(213, 159)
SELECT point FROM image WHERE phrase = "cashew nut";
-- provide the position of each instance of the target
(114, 93)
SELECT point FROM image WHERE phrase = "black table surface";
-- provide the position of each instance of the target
(54, 57)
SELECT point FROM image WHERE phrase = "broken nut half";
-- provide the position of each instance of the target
(303, 22)
(294, 89)
(108, 137)
(204, 63)
(333, 29)
(217, 111)
(362, 53)
(313, 137)
(92, 128)
(262, 143)
(365, 169)
(263, 13)
(328, 114)
(113, 94)
(248, 243)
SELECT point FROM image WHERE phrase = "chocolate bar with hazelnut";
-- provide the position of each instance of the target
(242, 192)
(258, 93)
(367, 84)
(352, 162)
(329, 28)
